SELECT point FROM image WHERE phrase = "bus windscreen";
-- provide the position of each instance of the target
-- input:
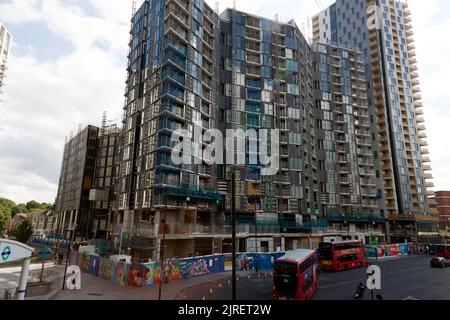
(285, 278)
(325, 251)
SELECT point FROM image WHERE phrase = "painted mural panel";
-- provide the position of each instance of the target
(171, 271)
(196, 267)
(119, 274)
(136, 276)
(105, 269)
(84, 262)
(93, 265)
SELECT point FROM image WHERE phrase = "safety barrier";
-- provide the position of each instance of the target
(148, 274)
(391, 250)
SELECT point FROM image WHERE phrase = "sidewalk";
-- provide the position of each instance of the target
(94, 288)
(9, 276)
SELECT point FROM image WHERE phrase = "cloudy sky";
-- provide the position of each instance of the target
(68, 66)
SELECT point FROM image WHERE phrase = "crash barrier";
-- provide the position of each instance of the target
(147, 274)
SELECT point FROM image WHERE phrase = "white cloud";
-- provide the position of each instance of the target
(433, 49)
(44, 101)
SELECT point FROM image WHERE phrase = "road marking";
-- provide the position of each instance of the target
(410, 298)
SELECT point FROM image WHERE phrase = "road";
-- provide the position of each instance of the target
(409, 278)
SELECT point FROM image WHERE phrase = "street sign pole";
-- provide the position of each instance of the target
(23, 279)
(13, 251)
(42, 272)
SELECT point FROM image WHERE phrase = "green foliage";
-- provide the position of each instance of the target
(20, 208)
(8, 209)
(23, 232)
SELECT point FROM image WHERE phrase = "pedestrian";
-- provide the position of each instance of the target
(427, 250)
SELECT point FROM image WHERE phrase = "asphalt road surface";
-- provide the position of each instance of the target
(409, 278)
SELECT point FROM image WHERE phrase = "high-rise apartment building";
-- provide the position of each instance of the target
(382, 31)
(170, 86)
(75, 181)
(86, 184)
(346, 160)
(266, 83)
(5, 47)
(192, 69)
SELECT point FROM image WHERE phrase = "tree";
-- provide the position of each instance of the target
(23, 232)
(20, 208)
(5, 212)
(33, 206)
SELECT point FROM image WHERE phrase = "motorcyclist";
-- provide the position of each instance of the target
(360, 290)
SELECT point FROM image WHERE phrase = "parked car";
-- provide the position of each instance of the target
(439, 262)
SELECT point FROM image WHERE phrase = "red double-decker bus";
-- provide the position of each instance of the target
(345, 255)
(443, 251)
(296, 276)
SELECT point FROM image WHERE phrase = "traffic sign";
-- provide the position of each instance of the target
(45, 254)
(6, 253)
(12, 250)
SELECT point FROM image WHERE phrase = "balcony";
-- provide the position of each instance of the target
(185, 191)
(420, 119)
(413, 217)
(429, 184)
(255, 59)
(428, 176)
(255, 35)
(355, 218)
(253, 71)
(138, 242)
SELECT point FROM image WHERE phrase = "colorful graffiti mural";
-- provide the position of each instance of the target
(136, 276)
(84, 262)
(195, 267)
(119, 274)
(105, 268)
(147, 274)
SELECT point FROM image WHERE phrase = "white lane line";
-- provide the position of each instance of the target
(411, 298)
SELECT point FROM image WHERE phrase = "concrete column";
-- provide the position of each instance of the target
(23, 279)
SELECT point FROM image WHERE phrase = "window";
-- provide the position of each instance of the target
(293, 89)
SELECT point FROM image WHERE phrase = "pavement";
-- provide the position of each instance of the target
(9, 275)
(405, 278)
(94, 288)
